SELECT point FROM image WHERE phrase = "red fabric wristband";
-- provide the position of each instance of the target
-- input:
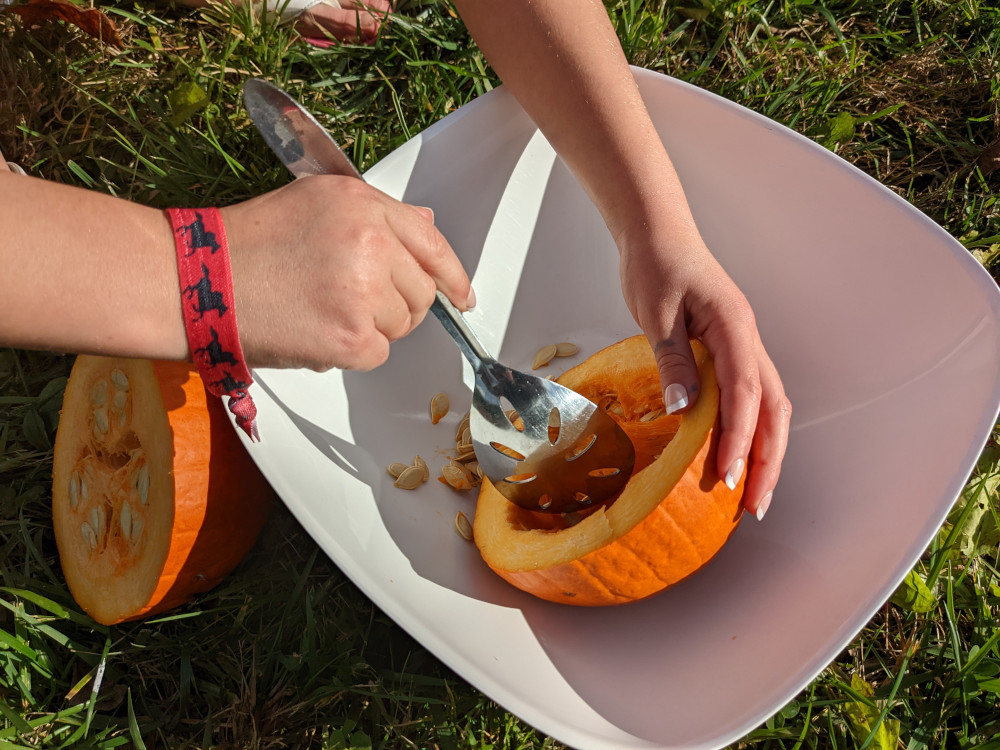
(209, 311)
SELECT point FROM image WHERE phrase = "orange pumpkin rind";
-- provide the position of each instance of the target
(671, 518)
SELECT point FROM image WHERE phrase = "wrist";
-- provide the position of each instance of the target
(208, 307)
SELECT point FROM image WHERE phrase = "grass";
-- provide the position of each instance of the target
(286, 653)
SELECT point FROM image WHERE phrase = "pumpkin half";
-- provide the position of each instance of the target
(154, 498)
(671, 518)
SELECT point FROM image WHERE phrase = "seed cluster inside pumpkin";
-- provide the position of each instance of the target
(109, 483)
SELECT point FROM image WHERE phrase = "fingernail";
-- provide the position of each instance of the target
(675, 397)
(471, 302)
(735, 472)
(763, 505)
(428, 212)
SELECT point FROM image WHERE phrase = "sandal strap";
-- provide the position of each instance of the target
(287, 11)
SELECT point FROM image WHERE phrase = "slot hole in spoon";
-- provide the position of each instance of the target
(584, 445)
(554, 424)
(509, 452)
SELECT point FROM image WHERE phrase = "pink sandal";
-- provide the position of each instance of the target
(358, 22)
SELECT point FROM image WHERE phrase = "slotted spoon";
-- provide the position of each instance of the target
(543, 446)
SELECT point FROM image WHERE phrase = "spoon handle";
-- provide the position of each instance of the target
(457, 327)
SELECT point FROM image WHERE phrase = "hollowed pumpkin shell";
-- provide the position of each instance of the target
(671, 518)
(154, 499)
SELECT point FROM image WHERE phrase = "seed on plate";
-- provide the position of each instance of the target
(410, 479)
(422, 465)
(566, 349)
(463, 527)
(543, 356)
(465, 452)
(457, 476)
(439, 407)
(515, 419)
(463, 425)
(475, 469)
(396, 468)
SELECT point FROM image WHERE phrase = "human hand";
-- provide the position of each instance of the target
(328, 271)
(676, 290)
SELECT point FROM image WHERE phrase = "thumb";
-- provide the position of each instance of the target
(678, 371)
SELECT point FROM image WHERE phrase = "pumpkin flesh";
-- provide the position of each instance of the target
(154, 497)
(673, 516)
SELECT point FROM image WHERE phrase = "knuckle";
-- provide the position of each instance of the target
(784, 409)
(748, 385)
(671, 358)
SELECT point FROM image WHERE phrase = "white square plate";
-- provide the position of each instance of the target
(885, 331)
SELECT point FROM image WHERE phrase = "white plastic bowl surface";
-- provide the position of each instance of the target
(885, 332)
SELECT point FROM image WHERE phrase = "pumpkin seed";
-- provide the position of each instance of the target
(475, 469)
(465, 452)
(463, 425)
(607, 400)
(509, 452)
(99, 393)
(543, 356)
(396, 468)
(97, 519)
(89, 535)
(136, 530)
(463, 527)
(515, 419)
(142, 483)
(410, 479)
(120, 399)
(649, 416)
(74, 491)
(457, 476)
(120, 379)
(440, 404)
(566, 349)
(101, 423)
(422, 465)
(125, 520)
(615, 407)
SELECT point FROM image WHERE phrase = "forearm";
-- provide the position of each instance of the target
(562, 61)
(85, 272)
